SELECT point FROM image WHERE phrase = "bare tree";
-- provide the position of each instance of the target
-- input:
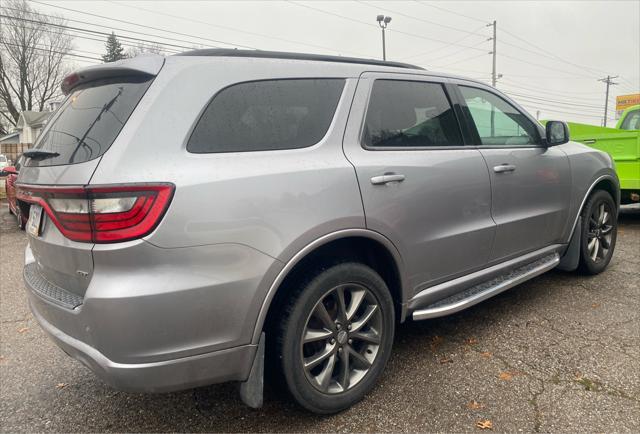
(141, 48)
(31, 59)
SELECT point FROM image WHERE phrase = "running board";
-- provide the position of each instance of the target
(482, 291)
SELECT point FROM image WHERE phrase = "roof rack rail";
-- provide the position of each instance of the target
(230, 52)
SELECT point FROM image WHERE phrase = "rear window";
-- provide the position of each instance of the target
(267, 115)
(89, 121)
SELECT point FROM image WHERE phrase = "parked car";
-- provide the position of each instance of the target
(15, 208)
(191, 215)
(622, 143)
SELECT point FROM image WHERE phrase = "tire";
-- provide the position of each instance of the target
(599, 232)
(359, 336)
(22, 224)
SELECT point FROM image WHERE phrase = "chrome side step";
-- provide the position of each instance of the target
(482, 291)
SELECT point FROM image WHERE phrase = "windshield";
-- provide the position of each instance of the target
(632, 121)
(89, 121)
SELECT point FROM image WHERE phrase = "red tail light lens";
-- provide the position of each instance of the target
(102, 214)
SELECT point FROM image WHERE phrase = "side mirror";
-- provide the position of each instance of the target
(557, 133)
(9, 170)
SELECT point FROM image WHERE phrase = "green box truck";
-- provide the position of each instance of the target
(622, 143)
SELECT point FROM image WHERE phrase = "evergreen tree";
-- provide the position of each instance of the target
(114, 49)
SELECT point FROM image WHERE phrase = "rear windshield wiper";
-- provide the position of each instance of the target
(37, 154)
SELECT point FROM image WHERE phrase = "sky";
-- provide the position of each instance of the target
(550, 54)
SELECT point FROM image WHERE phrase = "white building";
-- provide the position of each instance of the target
(30, 125)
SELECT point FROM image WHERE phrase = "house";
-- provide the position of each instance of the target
(30, 124)
(10, 138)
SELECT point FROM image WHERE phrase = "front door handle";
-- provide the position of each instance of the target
(504, 168)
(387, 178)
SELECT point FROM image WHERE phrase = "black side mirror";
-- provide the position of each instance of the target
(557, 133)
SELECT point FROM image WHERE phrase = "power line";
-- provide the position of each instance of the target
(541, 65)
(546, 94)
(120, 35)
(424, 53)
(548, 52)
(450, 11)
(235, 29)
(553, 91)
(142, 25)
(373, 25)
(79, 35)
(384, 8)
(95, 31)
(560, 111)
(461, 60)
(517, 97)
(54, 51)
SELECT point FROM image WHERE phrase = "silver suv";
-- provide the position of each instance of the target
(196, 217)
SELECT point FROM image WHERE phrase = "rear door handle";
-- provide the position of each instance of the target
(504, 168)
(387, 178)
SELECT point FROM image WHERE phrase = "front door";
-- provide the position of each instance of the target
(421, 187)
(531, 183)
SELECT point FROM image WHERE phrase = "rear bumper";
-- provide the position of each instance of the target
(232, 364)
(154, 320)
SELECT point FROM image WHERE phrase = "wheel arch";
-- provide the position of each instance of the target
(607, 183)
(369, 247)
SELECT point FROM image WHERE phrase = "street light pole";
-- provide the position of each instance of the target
(383, 22)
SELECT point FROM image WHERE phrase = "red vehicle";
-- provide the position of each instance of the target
(11, 173)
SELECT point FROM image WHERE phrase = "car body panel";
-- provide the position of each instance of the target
(448, 188)
(530, 204)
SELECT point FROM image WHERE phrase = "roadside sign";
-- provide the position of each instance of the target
(625, 101)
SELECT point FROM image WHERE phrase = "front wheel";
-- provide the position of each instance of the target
(336, 337)
(599, 231)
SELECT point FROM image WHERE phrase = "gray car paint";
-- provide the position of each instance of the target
(199, 287)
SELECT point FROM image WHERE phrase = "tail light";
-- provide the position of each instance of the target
(102, 214)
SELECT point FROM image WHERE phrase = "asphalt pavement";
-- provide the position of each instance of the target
(560, 353)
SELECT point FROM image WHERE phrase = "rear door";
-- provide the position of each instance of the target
(531, 183)
(421, 187)
(81, 131)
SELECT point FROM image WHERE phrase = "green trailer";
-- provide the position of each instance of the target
(622, 143)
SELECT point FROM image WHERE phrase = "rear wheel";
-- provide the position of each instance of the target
(599, 231)
(336, 337)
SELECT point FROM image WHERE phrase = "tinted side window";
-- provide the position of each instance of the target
(410, 114)
(498, 122)
(267, 115)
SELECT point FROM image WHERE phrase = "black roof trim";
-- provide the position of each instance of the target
(230, 52)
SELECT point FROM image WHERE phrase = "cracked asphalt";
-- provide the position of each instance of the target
(560, 353)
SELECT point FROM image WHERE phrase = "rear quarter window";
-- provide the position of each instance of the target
(89, 120)
(267, 115)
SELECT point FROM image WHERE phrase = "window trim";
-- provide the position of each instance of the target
(473, 130)
(452, 102)
(204, 108)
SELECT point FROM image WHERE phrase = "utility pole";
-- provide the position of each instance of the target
(609, 80)
(383, 22)
(494, 74)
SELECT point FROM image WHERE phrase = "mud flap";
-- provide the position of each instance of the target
(571, 258)
(252, 390)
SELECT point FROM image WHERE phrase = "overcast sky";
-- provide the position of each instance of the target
(550, 53)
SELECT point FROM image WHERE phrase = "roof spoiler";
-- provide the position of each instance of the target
(144, 65)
